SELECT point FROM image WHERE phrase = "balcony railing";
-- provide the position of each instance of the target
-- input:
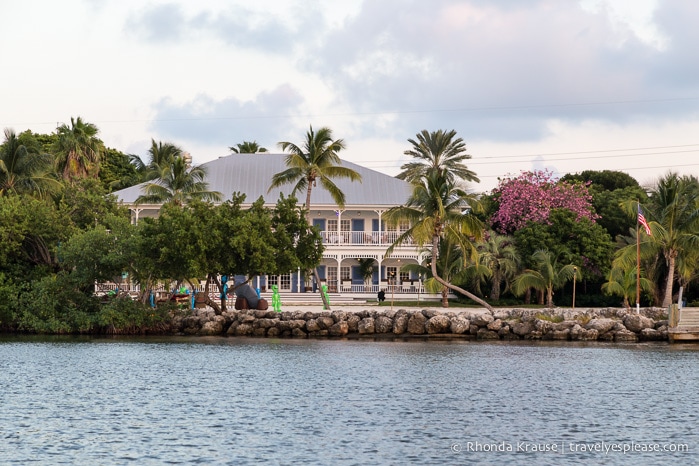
(359, 238)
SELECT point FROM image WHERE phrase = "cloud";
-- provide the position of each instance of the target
(159, 24)
(235, 25)
(502, 72)
(229, 121)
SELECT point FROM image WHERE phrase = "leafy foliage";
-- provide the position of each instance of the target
(437, 150)
(533, 195)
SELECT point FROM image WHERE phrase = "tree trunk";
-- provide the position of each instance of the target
(667, 299)
(549, 296)
(435, 248)
(326, 302)
(445, 297)
(495, 289)
(218, 310)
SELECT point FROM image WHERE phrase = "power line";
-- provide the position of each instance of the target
(386, 112)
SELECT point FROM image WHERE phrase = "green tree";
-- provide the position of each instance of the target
(437, 150)
(610, 190)
(248, 147)
(673, 214)
(87, 203)
(316, 160)
(437, 210)
(178, 184)
(101, 253)
(116, 170)
(499, 254)
(546, 276)
(622, 282)
(78, 150)
(581, 241)
(23, 168)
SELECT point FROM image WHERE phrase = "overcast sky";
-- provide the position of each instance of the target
(528, 84)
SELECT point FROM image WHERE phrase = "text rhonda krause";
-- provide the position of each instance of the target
(572, 447)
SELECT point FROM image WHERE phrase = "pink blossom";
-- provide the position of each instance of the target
(531, 197)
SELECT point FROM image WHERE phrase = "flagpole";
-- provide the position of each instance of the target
(638, 262)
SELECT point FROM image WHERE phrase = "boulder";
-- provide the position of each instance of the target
(400, 323)
(416, 324)
(366, 326)
(273, 332)
(637, 322)
(561, 334)
(243, 329)
(505, 333)
(437, 324)
(325, 322)
(383, 324)
(523, 328)
(566, 324)
(298, 333)
(602, 325)
(482, 319)
(651, 334)
(624, 336)
(459, 325)
(429, 313)
(495, 325)
(338, 316)
(485, 334)
(339, 329)
(353, 323)
(312, 325)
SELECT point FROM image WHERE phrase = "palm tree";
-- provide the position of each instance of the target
(78, 150)
(23, 169)
(499, 254)
(622, 282)
(316, 161)
(451, 267)
(248, 147)
(161, 155)
(547, 276)
(437, 150)
(673, 214)
(437, 210)
(178, 184)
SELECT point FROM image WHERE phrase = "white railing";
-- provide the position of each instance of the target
(358, 238)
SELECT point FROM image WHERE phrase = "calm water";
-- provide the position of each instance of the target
(248, 401)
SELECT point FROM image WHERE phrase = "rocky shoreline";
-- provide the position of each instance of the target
(606, 324)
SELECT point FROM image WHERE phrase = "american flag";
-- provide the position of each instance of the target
(642, 220)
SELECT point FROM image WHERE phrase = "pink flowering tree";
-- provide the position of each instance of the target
(531, 196)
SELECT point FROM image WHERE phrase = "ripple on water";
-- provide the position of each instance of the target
(240, 401)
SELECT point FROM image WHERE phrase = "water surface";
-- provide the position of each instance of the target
(246, 401)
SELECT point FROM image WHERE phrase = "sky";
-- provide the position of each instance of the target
(561, 85)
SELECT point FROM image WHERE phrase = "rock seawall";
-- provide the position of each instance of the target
(608, 324)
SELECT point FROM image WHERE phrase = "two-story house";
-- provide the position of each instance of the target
(353, 233)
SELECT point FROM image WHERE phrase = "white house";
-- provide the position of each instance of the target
(355, 232)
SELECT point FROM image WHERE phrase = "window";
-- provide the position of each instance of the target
(391, 275)
(344, 225)
(345, 273)
(285, 282)
(404, 276)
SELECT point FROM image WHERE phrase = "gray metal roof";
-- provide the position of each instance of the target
(252, 174)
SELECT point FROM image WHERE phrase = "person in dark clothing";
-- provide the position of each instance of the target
(382, 296)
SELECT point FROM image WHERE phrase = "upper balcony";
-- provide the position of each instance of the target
(363, 238)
